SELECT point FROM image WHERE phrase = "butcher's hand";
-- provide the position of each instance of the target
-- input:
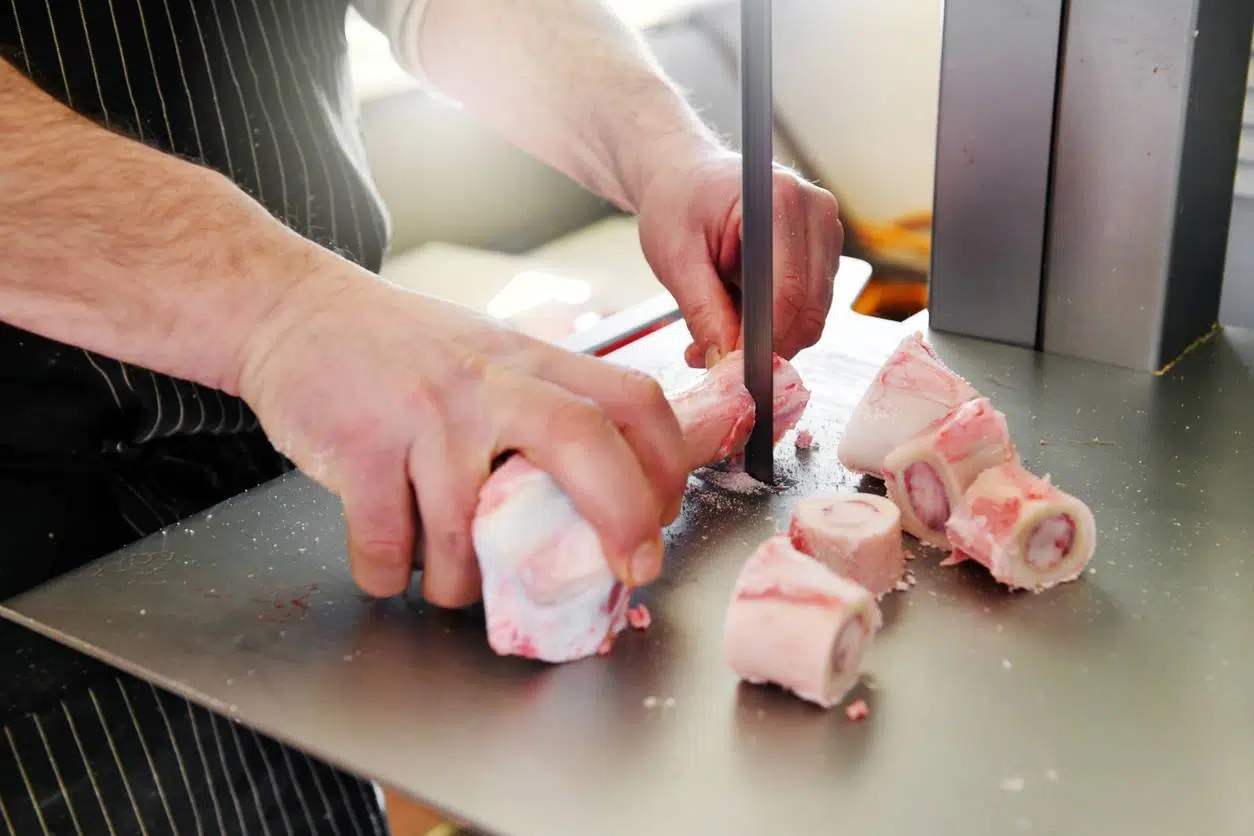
(690, 229)
(386, 397)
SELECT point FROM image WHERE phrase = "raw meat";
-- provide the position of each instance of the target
(794, 623)
(857, 710)
(716, 413)
(857, 536)
(639, 617)
(547, 591)
(912, 390)
(1023, 529)
(928, 474)
(804, 440)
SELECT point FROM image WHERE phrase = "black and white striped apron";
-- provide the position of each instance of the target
(95, 453)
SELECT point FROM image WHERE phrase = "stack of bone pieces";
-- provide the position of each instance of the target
(804, 607)
(805, 604)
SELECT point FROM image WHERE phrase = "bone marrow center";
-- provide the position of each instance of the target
(1050, 542)
(927, 495)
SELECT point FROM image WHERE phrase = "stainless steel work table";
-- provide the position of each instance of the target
(1120, 704)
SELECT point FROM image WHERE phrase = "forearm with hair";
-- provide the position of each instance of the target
(567, 81)
(116, 247)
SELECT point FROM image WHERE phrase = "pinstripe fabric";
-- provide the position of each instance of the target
(94, 452)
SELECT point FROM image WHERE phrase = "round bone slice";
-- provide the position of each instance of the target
(927, 475)
(857, 536)
(1023, 529)
(796, 624)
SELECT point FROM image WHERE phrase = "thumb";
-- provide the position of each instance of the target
(708, 312)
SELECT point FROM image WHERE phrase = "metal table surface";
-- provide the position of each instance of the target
(1122, 703)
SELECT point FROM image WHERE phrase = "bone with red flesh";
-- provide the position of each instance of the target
(716, 414)
(928, 474)
(857, 536)
(794, 623)
(1028, 533)
(548, 593)
(911, 391)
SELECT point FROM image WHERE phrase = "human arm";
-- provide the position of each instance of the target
(126, 251)
(394, 401)
(574, 85)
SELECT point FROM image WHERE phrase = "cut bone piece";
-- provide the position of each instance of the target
(716, 413)
(928, 474)
(857, 536)
(548, 593)
(912, 390)
(1023, 529)
(794, 623)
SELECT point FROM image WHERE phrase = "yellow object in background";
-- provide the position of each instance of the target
(900, 254)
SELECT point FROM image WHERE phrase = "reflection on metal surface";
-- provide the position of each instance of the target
(1116, 704)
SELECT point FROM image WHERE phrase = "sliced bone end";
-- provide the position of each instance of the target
(794, 623)
(857, 536)
(917, 486)
(911, 392)
(1026, 531)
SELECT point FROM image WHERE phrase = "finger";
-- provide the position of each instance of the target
(792, 276)
(637, 405)
(577, 444)
(447, 477)
(707, 309)
(826, 237)
(380, 518)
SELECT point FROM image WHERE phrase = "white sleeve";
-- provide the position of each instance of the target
(401, 21)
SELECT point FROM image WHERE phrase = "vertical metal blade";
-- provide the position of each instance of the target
(756, 258)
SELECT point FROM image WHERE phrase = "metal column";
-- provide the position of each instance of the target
(1142, 153)
(998, 85)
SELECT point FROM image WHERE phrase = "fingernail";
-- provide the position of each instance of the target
(712, 356)
(384, 579)
(646, 564)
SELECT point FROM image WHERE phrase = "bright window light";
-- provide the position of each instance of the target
(532, 288)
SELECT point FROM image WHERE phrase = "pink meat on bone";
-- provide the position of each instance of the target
(794, 623)
(857, 536)
(911, 391)
(1023, 529)
(716, 413)
(927, 475)
(548, 593)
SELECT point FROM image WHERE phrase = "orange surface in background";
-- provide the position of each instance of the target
(900, 253)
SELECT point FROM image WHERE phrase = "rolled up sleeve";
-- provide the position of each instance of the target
(401, 21)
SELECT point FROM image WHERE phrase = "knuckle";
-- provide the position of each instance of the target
(643, 389)
(786, 190)
(424, 400)
(829, 204)
(578, 420)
